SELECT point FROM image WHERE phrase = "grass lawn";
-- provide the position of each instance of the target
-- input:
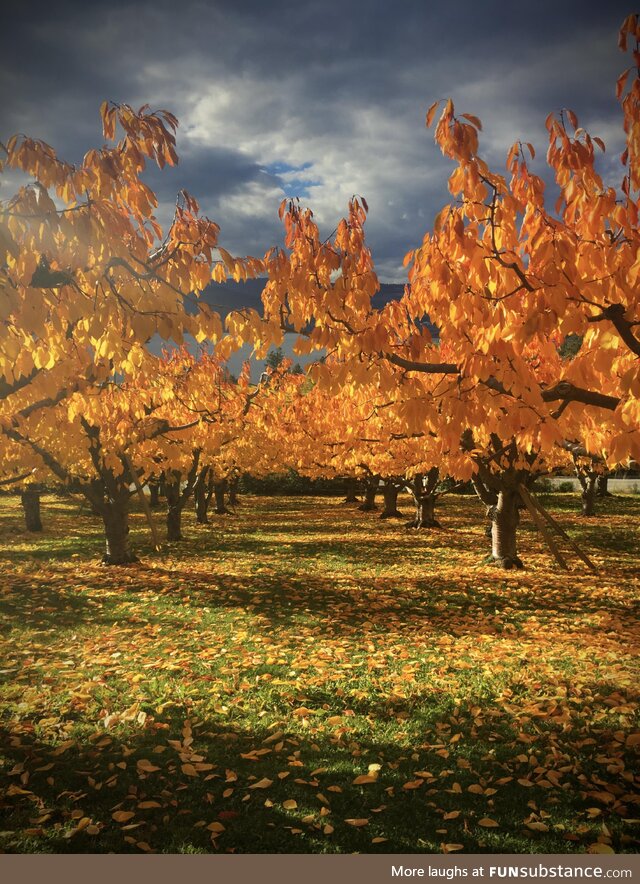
(303, 677)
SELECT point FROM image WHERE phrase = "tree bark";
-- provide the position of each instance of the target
(154, 494)
(219, 491)
(390, 494)
(602, 486)
(588, 479)
(115, 515)
(505, 518)
(370, 491)
(425, 512)
(174, 507)
(233, 492)
(30, 498)
(350, 488)
(202, 497)
(589, 489)
(423, 489)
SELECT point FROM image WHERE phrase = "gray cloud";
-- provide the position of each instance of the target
(323, 99)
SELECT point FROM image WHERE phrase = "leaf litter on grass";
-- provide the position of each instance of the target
(374, 688)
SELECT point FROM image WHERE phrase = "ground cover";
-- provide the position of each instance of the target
(303, 677)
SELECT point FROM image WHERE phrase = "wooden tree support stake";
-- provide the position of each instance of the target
(574, 546)
(143, 501)
(535, 515)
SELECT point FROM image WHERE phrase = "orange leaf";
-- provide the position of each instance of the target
(122, 816)
(357, 822)
(264, 783)
(145, 765)
(488, 823)
(431, 112)
(475, 120)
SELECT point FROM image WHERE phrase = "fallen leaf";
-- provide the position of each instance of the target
(264, 783)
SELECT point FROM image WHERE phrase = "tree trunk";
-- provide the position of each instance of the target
(219, 491)
(350, 488)
(115, 514)
(505, 518)
(589, 489)
(202, 497)
(154, 495)
(425, 512)
(390, 494)
(233, 492)
(370, 491)
(174, 510)
(30, 498)
(602, 486)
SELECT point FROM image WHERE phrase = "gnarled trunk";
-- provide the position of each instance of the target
(154, 494)
(115, 515)
(202, 496)
(350, 488)
(589, 488)
(425, 512)
(370, 491)
(174, 509)
(219, 491)
(505, 518)
(390, 495)
(30, 498)
(423, 489)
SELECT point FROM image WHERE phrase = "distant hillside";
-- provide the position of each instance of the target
(227, 296)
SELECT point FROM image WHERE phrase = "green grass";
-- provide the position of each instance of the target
(358, 642)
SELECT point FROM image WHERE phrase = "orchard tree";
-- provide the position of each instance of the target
(506, 279)
(87, 276)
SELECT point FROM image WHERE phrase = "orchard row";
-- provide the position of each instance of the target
(536, 361)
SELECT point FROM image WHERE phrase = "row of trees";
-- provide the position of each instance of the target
(87, 278)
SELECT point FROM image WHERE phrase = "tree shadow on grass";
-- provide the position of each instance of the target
(131, 785)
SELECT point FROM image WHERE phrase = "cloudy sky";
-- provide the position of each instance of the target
(320, 100)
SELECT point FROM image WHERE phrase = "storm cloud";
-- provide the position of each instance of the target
(318, 100)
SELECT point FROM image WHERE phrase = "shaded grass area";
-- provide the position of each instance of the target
(232, 693)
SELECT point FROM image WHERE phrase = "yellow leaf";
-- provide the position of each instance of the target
(189, 770)
(357, 822)
(122, 816)
(378, 840)
(215, 827)
(290, 804)
(364, 779)
(488, 823)
(451, 848)
(452, 815)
